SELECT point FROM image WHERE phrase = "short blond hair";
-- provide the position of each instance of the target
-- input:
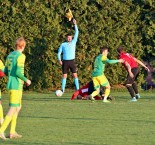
(20, 43)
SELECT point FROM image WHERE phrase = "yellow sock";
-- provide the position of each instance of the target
(1, 114)
(107, 92)
(13, 124)
(5, 123)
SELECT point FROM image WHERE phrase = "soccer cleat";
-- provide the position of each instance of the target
(2, 136)
(91, 98)
(106, 101)
(15, 135)
(137, 96)
(133, 99)
(110, 98)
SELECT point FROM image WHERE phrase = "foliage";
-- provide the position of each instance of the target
(44, 26)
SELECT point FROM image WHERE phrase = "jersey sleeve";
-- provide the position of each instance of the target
(111, 61)
(20, 67)
(76, 34)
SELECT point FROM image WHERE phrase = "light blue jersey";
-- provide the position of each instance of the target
(68, 48)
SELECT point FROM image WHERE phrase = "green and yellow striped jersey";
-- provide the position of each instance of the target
(99, 64)
(14, 69)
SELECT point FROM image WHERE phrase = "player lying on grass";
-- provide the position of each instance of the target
(84, 92)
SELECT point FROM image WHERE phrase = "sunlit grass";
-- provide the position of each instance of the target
(48, 120)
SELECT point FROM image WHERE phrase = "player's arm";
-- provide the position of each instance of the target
(128, 67)
(141, 63)
(20, 68)
(114, 61)
(111, 61)
(76, 31)
(105, 59)
(59, 54)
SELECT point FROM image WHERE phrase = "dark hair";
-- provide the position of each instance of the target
(120, 49)
(103, 49)
(69, 34)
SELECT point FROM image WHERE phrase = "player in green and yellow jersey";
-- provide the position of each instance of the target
(1, 108)
(98, 73)
(14, 69)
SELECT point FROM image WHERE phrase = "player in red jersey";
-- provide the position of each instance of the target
(131, 65)
(86, 90)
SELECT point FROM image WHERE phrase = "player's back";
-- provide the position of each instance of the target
(11, 64)
(129, 59)
(99, 65)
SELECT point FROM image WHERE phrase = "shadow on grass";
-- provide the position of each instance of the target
(17, 142)
(46, 117)
(149, 98)
(45, 99)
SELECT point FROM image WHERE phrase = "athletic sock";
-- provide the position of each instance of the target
(76, 81)
(13, 124)
(107, 92)
(63, 84)
(5, 123)
(131, 91)
(1, 114)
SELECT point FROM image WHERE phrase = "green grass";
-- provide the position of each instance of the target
(48, 120)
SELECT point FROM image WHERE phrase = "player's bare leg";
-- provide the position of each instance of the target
(107, 92)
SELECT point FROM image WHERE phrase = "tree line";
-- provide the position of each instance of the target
(128, 23)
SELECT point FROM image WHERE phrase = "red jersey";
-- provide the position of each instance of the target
(84, 93)
(129, 59)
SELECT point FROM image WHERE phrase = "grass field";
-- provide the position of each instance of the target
(48, 120)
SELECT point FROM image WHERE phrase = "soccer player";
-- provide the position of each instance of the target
(68, 58)
(84, 92)
(1, 108)
(131, 65)
(14, 69)
(98, 74)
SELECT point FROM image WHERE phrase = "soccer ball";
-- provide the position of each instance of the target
(58, 93)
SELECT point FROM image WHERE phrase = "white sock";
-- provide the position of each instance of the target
(105, 98)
